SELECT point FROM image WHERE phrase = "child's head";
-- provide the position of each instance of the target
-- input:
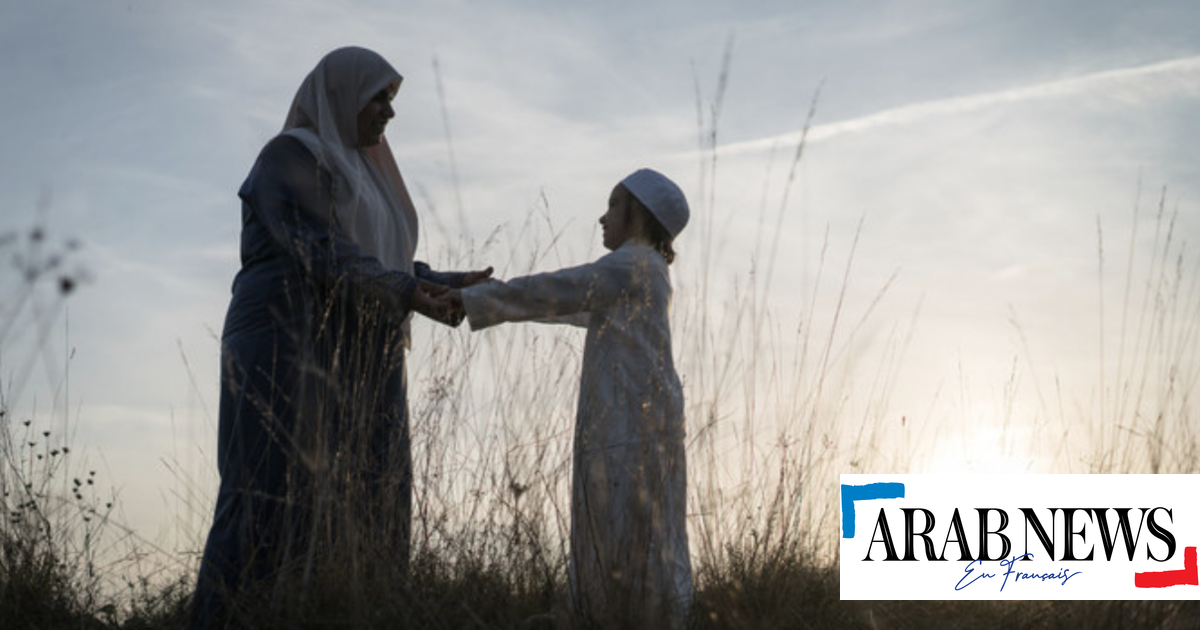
(646, 206)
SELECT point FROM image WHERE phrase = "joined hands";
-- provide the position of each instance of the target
(443, 304)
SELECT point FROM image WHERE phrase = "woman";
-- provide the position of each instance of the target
(313, 449)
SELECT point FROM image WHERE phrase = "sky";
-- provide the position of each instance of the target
(981, 147)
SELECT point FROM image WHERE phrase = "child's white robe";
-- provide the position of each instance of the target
(629, 564)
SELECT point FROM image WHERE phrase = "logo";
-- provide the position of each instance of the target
(936, 537)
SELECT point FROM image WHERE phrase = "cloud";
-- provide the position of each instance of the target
(1125, 84)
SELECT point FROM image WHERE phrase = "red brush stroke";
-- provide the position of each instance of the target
(1162, 579)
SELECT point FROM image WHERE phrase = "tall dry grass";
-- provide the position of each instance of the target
(1149, 372)
(65, 562)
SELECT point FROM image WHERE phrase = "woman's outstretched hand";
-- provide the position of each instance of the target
(432, 289)
(443, 304)
(475, 277)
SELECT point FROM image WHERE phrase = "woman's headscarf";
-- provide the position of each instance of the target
(372, 205)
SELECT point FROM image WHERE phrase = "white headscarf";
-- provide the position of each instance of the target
(372, 204)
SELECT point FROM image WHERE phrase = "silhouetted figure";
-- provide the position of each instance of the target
(629, 563)
(313, 449)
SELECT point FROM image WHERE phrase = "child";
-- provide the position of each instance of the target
(629, 564)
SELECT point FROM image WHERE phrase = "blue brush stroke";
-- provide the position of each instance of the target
(850, 494)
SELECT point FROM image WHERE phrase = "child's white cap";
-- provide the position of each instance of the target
(661, 197)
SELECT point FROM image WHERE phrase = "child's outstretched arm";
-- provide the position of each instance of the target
(559, 296)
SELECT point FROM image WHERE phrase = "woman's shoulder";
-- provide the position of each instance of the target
(286, 147)
(283, 161)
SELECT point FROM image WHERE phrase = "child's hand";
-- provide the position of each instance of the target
(438, 308)
(453, 297)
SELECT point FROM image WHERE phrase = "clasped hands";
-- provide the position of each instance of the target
(443, 304)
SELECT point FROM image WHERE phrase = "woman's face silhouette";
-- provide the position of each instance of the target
(374, 117)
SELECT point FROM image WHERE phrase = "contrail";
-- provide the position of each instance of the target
(963, 104)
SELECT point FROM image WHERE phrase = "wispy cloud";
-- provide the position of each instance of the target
(1127, 81)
